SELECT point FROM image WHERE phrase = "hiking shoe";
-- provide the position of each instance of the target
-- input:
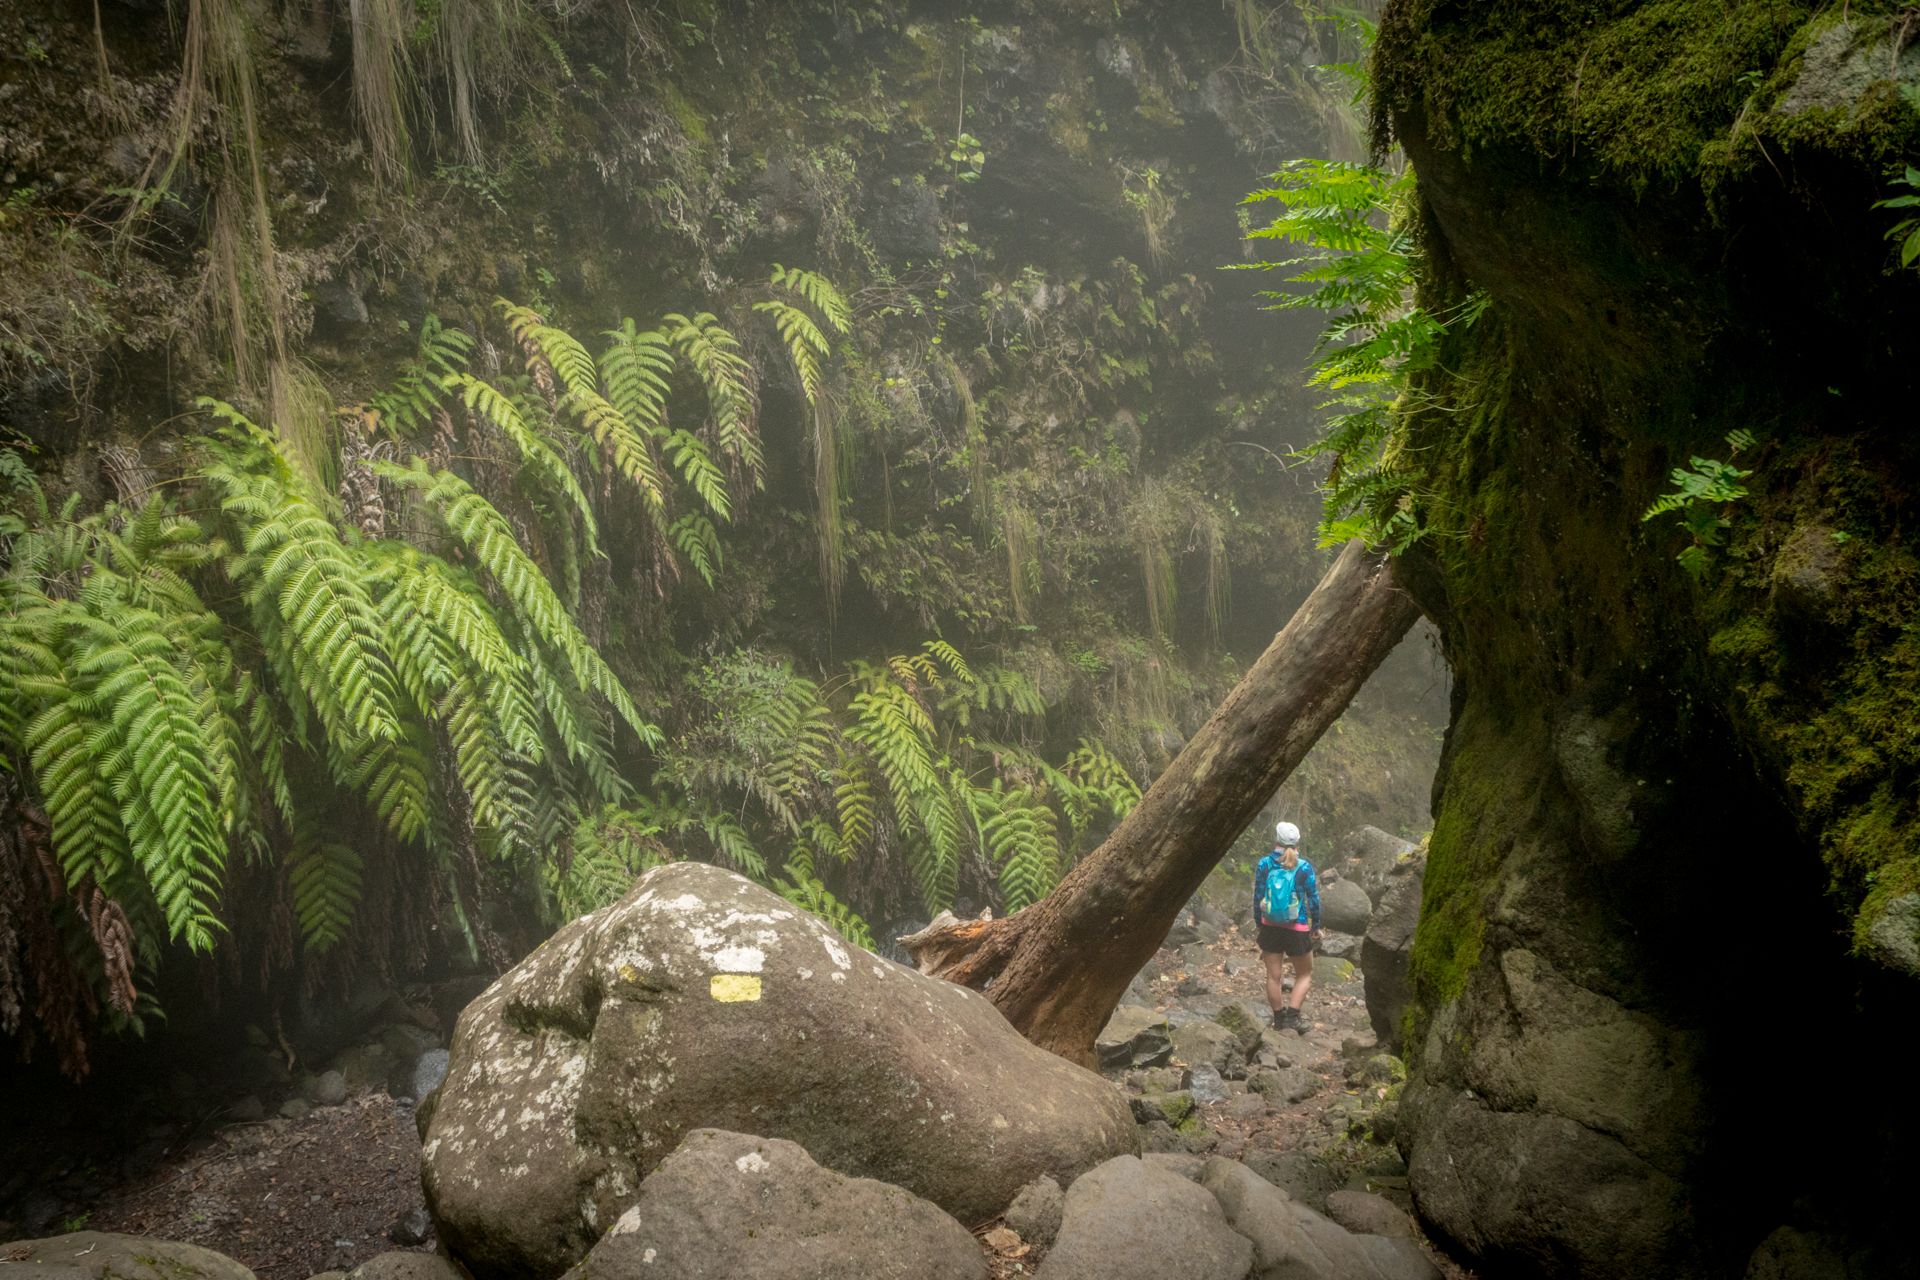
(1280, 1019)
(1290, 1021)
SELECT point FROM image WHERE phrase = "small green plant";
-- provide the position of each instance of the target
(1907, 230)
(966, 157)
(1701, 495)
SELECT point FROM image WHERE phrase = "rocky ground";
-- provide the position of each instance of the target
(317, 1172)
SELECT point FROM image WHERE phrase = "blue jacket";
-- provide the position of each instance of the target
(1303, 904)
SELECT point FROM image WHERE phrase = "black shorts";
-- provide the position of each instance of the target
(1288, 942)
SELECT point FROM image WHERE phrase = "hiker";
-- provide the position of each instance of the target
(1286, 906)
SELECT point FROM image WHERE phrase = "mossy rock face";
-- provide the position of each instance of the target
(1668, 207)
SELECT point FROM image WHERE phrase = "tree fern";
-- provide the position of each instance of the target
(809, 894)
(325, 878)
(407, 406)
(725, 374)
(484, 532)
(486, 402)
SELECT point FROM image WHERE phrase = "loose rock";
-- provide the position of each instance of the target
(724, 1206)
(1131, 1221)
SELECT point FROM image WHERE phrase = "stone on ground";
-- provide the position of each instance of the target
(1285, 1085)
(1128, 1220)
(1344, 907)
(1301, 1174)
(103, 1255)
(1292, 1241)
(1204, 1042)
(1370, 857)
(1035, 1213)
(1367, 1214)
(406, 1265)
(701, 1000)
(726, 1205)
(1135, 1036)
(1384, 953)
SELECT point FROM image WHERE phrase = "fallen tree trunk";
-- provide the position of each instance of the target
(1058, 968)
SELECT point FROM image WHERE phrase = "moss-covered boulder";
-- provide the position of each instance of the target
(1671, 754)
(701, 1000)
(106, 1255)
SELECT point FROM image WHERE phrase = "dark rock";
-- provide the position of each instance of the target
(1791, 1254)
(1127, 1220)
(1173, 1107)
(1371, 1215)
(364, 1067)
(1301, 1174)
(1286, 1085)
(404, 1041)
(328, 1089)
(406, 1266)
(1159, 1137)
(725, 1205)
(1245, 1106)
(1384, 954)
(1204, 1042)
(1339, 946)
(1344, 907)
(1035, 1213)
(1246, 1020)
(412, 1227)
(1291, 1240)
(1206, 1085)
(1494, 1176)
(1184, 932)
(100, 1255)
(905, 222)
(1134, 1036)
(247, 1108)
(1196, 958)
(1192, 986)
(295, 1108)
(428, 1070)
(338, 310)
(1370, 857)
(1166, 1079)
(582, 1067)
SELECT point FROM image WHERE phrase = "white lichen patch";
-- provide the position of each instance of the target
(836, 953)
(628, 1224)
(740, 959)
(752, 1162)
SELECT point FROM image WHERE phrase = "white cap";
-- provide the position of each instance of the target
(1286, 835)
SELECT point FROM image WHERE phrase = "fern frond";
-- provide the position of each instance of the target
(486, 402)
(696, 465)
(486, 533)
(699, 542)
(819, 292)
(727, 376)
(325, 879)
(806, 345)
(809, 894)
(638, 368)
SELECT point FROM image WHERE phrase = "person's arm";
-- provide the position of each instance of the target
(1259, 890)
(1313, 897)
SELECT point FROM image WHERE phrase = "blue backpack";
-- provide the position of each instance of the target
(1284, 903)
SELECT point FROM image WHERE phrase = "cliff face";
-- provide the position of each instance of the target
(1676, 846)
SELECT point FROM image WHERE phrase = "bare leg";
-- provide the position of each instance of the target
(1276, 990)
(1302, 978)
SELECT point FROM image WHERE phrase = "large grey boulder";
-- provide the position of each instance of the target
(1292, 1242)
(1344, 907)
(1204, 1042)
(103, 1255)
(727, 1205)
(701, 1000)
(1370, 856)
(1385, 951)
(1128, 1220)
(1493, 1177)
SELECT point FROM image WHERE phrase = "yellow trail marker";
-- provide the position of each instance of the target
(731, 988)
